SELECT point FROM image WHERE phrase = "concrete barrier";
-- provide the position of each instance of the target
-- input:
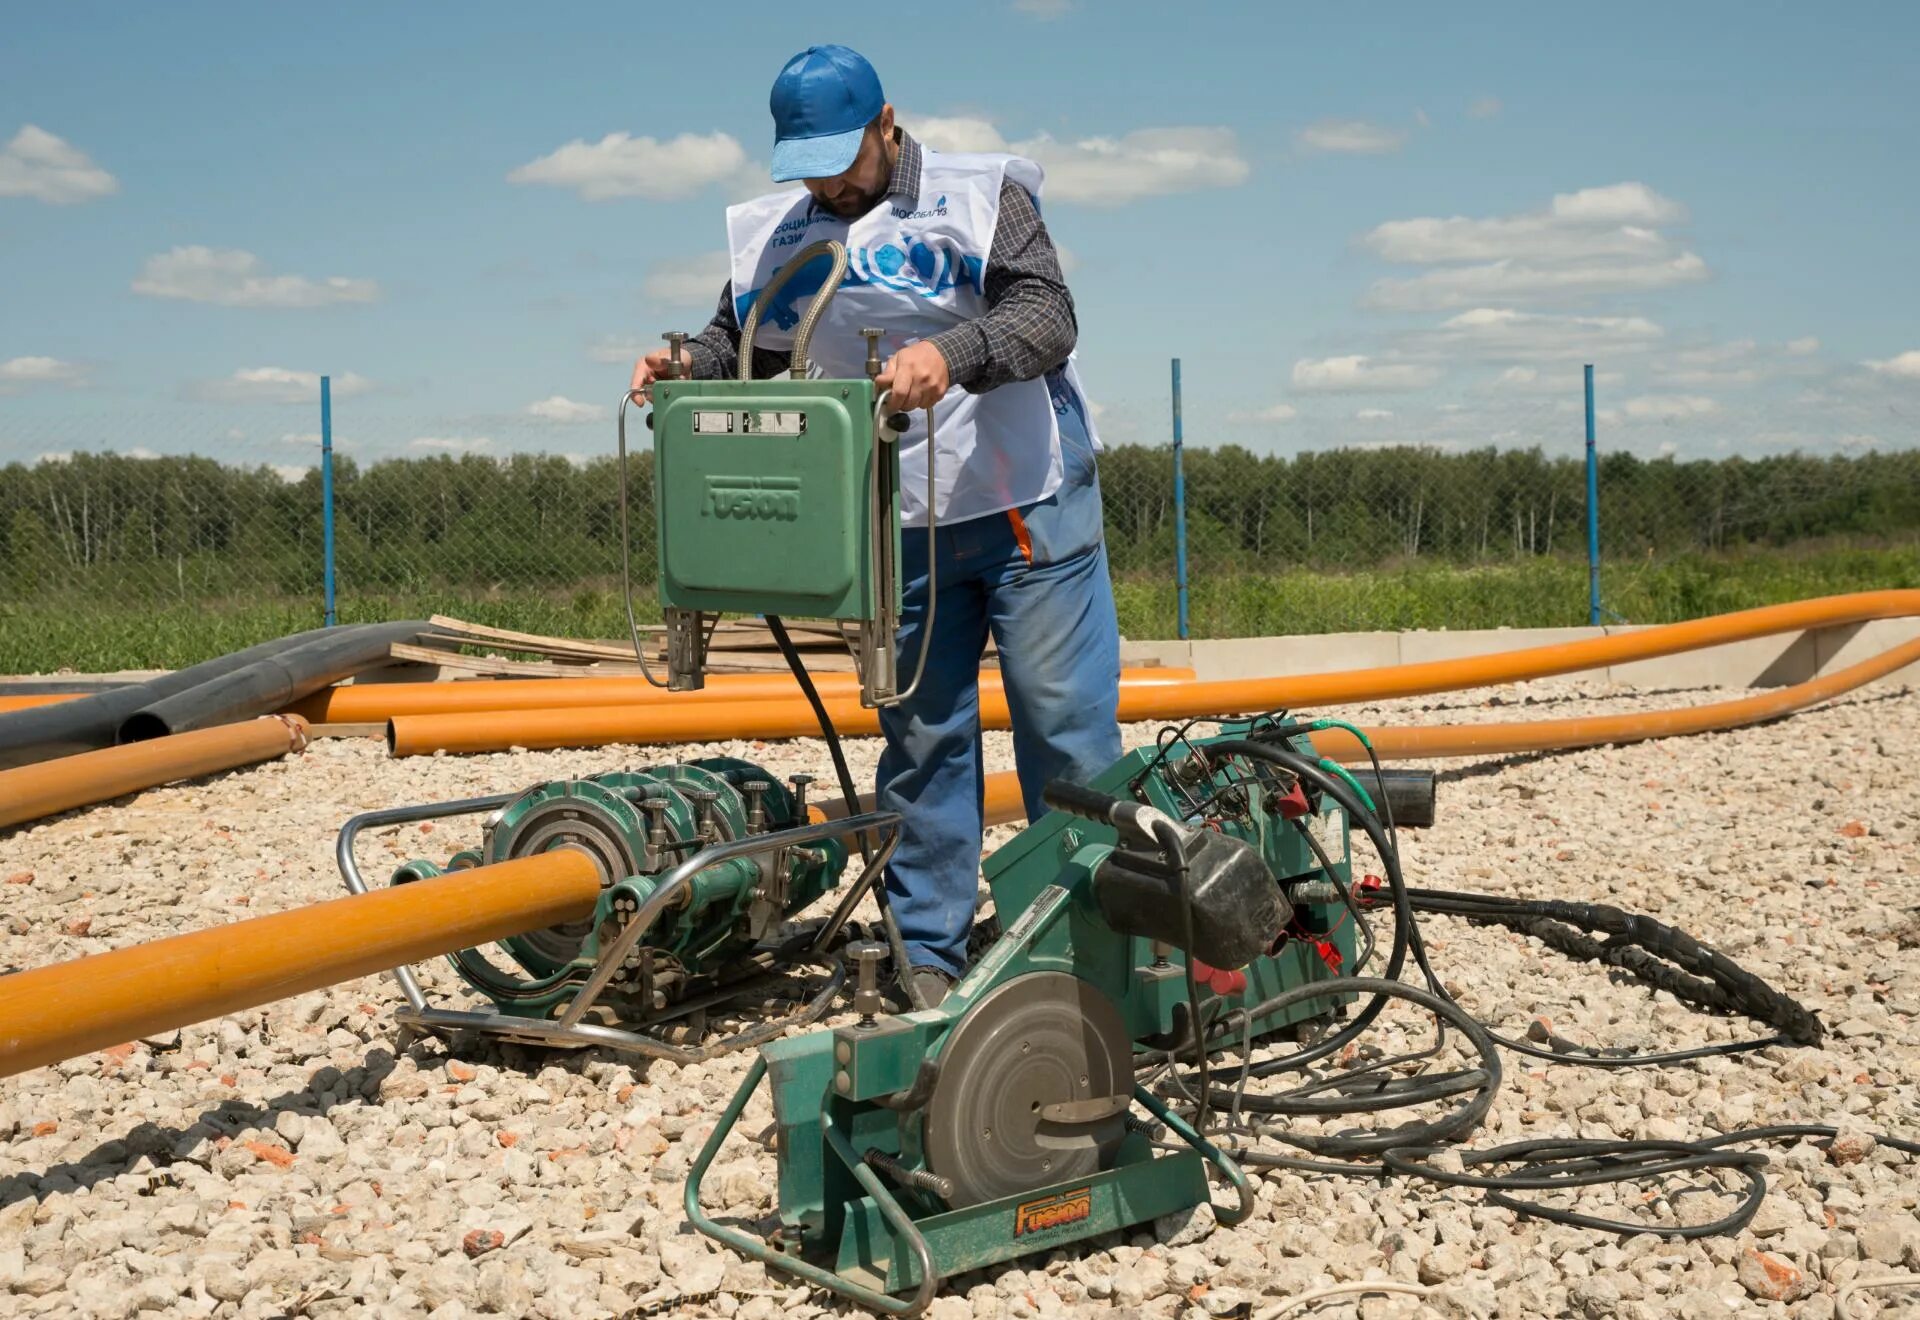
(1760, 663)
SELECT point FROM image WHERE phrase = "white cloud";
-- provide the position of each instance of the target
(1360, 373)
(624, 350)
(1669, 407)
(55, 456)
(1905, 365)
(453, 444)
(234, 278)
(1495, 334)
(278, 385)
(1275, 413)
(47, 168)
(139, 451)
(1485, 107)
(1349, 137)
(290, 473)
(307, 438)
(1105, 171)
(688, 282)
(956, 133)
(1374, 414)
(559, 409)
(1597, 240)
(1512, 281)
(1043, 9)
(24, 373)
(1806, 347)
(1615, 220)
(1557, 380)
(621, 165)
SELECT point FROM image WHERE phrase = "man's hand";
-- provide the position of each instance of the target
(917, 376)
(652, 367)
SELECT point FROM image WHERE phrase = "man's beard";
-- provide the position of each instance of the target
(855, 206)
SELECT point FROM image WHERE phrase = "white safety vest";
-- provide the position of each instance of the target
(913, 272)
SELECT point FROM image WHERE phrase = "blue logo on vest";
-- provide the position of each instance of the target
(938, 208)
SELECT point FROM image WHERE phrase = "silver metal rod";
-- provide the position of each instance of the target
(350, 869)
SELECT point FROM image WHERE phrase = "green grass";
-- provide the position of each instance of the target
(42, 635)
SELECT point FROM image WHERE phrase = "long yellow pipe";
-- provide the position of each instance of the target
(590, 727)
(86, 1004)
(31, 700)
(361, 703)
(30, 792)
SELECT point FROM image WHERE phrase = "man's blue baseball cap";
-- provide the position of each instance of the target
(822, 102)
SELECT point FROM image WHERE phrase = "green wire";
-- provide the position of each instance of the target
(1333, 767)
(1353, 729)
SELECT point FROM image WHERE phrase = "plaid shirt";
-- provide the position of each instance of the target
(1027, 331)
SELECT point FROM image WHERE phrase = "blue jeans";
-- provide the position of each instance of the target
(1038, 581)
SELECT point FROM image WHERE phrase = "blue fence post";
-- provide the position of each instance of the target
(1593, 514)
(326, 490)
(1179, 508)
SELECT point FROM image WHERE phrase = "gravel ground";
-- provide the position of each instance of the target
(297, 1160)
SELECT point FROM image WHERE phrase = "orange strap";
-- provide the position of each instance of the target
(1021, 537)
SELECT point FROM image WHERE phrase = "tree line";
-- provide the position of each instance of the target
(111, 525)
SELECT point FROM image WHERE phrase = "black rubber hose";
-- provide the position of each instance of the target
(270, 682)
(41, 733)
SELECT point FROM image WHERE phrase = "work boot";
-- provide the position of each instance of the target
(931, 984)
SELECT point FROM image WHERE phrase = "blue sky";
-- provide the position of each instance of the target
(1354, 224)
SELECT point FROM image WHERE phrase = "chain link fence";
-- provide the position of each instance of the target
(162, 542)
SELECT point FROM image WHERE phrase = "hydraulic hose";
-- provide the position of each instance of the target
(270, 682)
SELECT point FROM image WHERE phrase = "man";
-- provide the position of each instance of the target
(947, 255)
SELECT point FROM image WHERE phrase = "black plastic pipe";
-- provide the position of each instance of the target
(270, 682)
(41, 733)
(44, 732)
(1407, 794)
(62, 687)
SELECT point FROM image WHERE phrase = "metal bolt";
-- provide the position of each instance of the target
(867, 956)
(676, 344)
(919, 1179)
(800, 783)
(873, 352)
(755, 791)
(703, 800)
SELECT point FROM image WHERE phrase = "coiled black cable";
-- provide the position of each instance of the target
(1636, 944)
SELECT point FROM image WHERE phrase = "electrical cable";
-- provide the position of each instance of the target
(1659, 955)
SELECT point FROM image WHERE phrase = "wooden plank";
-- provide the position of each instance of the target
(529, 641)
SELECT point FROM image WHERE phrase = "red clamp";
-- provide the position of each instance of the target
(1328, 954)
(1293, 803)
(1219, 980)
(1370, 892)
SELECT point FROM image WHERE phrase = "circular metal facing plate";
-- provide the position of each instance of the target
(1017, 1105)
(571, 822)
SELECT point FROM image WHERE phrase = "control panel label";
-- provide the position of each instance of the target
(774, 423)
(713, 423)
(762, 499)
(1054, 1211)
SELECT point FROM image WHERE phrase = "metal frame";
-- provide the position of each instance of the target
(905, 1230)
(568, 1031)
